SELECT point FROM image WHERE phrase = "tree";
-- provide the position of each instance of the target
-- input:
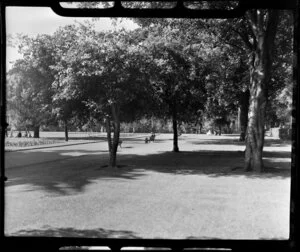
(280, 84)
(175, 76)
(264, 26)
(66, 100)
(256, 35)
(107, 70)
(29, 96)
(226, 81)
(223, 60)
(253, 36)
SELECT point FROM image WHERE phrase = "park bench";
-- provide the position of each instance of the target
(151, 138)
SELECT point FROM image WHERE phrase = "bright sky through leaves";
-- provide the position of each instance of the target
(40, 20)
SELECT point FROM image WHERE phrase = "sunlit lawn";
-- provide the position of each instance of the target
(201, 192)
(46, 138)
(26, 142)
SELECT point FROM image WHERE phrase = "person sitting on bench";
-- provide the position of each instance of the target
(152, 137)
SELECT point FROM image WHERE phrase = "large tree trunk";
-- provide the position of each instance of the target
(66, 131)
(244, 109)
(175, 131)
(36, 132)
(113, 142)
(260, 70)
(112, 154)
(255, 128)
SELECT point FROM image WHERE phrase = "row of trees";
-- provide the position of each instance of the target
(180, 69)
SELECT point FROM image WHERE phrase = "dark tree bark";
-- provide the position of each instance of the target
(36, 132)
(244, 108)
(264, 26)
(175, 130)
(108, 133)
(66, 131)
(113, 142)
(112, 154)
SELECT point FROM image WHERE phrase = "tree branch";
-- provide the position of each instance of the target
(247, 27)
(252, 18)
(245, 38)
(260, 20)
(232, 44)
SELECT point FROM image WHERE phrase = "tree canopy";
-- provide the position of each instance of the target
(178, 69)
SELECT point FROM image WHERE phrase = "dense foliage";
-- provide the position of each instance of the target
(178, 71)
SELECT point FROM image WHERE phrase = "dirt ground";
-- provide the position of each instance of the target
(201, 192)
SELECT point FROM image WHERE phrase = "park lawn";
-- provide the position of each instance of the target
(48, 138)
(201, 192)
(26, 142)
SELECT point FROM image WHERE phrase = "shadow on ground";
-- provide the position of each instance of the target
(235, 141)
(69, 171)
(64, 172)
(79, 233)
(100, 233)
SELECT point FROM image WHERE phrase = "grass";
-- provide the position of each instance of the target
(46, 138)
(154, 193)
(57, 137)
(27, 142)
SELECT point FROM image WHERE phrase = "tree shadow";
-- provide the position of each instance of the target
(277, 142)
(235, 141)
(68, 172)
(217, 142)
(277, 154)
(216, 238)
(64, 172)
(101, 233)
(202, 238)
(213, 163)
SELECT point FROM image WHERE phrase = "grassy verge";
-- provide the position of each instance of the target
(27, 142)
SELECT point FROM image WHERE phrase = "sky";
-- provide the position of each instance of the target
(42, 20)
